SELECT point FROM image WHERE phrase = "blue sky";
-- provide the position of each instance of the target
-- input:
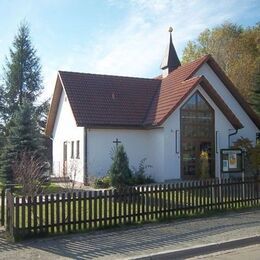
(113, 36)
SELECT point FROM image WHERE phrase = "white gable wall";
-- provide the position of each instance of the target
(138, 144)
(172, 150)
(65, 129)
(250, 128)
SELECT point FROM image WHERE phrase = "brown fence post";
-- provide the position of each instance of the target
(3, 207)
(10, 213)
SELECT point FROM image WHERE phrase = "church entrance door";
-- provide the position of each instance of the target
(197, 139)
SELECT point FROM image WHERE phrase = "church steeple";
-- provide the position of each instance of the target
(170, 61)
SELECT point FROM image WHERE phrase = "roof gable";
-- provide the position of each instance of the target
(181, 93)
(233, 90)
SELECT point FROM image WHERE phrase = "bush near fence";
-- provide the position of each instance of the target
(87, 210)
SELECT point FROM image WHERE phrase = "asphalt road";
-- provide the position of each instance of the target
(249, 253)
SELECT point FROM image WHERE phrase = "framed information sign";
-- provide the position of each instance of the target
(232, 160)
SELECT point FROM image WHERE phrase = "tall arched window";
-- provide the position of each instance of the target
(197, 139)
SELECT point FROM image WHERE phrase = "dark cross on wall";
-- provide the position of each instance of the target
(117, 142)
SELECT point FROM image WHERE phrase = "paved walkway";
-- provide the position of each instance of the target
(140, 241)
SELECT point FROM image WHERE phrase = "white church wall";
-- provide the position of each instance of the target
(138, 144)
(250, 128)
(66, 130)
(156, 153)
(172, 148)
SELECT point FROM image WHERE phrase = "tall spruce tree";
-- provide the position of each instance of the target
(19, 114)
(22, 72)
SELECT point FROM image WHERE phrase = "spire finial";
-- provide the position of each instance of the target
(170, 61)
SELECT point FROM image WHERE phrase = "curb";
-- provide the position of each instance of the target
(201, 249)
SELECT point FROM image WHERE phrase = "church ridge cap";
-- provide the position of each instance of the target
(106, 75)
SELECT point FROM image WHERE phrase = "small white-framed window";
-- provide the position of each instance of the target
(72, 150)
(77, 151)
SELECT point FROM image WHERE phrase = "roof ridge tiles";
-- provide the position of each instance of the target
(108, 75)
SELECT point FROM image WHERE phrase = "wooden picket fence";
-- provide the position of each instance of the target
(86, 210)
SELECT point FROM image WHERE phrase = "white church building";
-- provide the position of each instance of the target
(170, 120)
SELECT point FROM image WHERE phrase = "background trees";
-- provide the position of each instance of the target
(256, 93)
(236, 50)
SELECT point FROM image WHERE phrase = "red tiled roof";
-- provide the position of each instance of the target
(172, 89)
(115, 101)
(108, 100)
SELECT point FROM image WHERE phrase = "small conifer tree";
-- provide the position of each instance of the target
(120, 172)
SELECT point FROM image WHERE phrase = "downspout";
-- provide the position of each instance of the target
(85, 162)
(51, 163)
(229, 136)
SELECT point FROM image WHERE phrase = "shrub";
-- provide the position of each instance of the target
(102, 182)
(252, 155)
(30, 172)
(107, 180)
(138, 175)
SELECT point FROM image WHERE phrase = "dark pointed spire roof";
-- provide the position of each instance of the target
(170, 59)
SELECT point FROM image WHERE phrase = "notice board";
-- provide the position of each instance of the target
(232, 160)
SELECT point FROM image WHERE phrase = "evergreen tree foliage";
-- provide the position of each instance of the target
(235, 49)
(23, 136)
(22, 72)
(120, 172)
